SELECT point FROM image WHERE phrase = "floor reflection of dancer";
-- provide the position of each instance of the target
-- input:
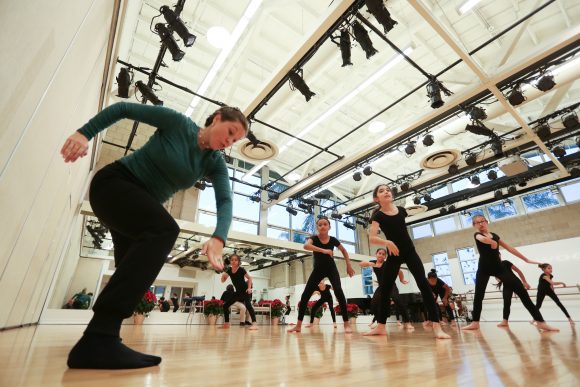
(325, 296)
(443, 291)
(377, 265)
(546, 288)
(508, 291)
(322, 246)
(127, 197)
(490, 265)
(391, 220)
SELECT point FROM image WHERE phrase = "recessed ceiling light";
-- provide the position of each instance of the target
(218, 36)
(377, 126)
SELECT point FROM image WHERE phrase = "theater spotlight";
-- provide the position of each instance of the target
(310, 202)
(362, 37)
(379, 11)
(545, 82)
(169, 42)
(512, 190)
(516, 97)
(427, 197)
(492, 175)
(475, 180)
(575, 172)
(570, 120)
(345, 47)
(178, 26)
(394, 191)
(428, 140)
(273, 195)
(476, 113)
(349, 225)
(543, 131)
(357, 176)
(291, 211)
(405, 187)
(148, 93)
(297, 82)
(443, 210)
(434, 89)
(451, 208)
(410, 148)
(336, 215)
(497, 147)
(124, 80)
(368, 170)
(200, 185)
(559, 151)
(470, 159)
(498, 194)
(417, 200)
(453, 169)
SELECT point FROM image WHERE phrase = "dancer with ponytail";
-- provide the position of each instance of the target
(442, 290)
(546, 288)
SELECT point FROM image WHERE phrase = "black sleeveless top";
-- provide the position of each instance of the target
(325, 294)
(489, 259)
(543, 284)
(320, 258)
(238, 280)
(438, 288)
(395, 229)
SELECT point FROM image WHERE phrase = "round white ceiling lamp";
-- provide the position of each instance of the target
(264, 150)
(440, 159)
(218, 36)
(377, 126)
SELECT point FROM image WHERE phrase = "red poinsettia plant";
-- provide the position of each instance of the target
(309, 307)
(214, 307)
(146, 304)
(276, 306)
(352, 310)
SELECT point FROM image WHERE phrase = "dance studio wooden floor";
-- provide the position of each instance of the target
(202, 355)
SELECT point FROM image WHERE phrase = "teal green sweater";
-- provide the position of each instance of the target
(171, 160)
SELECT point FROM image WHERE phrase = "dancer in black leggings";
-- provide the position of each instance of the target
(546, 288)
(507, 291)
(377, 265)
(324, 267)
(239, 276)
(489, 265)
(391, 220)
(325, 296)
(443, 291)
(127, 197)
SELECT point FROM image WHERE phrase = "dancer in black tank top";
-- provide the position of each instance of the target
(377, 265)
(443, 291)
(325, 296)
(243, 294)
(508, 291)
(391, 220)
(490, 265)
(322, 246)
(546, 288)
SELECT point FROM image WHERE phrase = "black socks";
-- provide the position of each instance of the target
(107, 352)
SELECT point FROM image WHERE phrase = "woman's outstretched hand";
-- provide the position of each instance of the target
(213, 248)
(74, 147)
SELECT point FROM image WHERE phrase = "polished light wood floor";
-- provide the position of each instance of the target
(205, 356)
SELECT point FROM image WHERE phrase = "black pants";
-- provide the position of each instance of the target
(318, 274)
(391, 271)
(400, 304)
(509, 281)
(143, 235)
(448, 309)
(246, 300)
(319, 304)
(542, 293)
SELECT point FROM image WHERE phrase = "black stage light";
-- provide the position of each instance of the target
(546, 82)
(470, 159)
(303, 206)
(559, 151)
(200, 185)
(148, 93)
(476, 113)
(124, 80)
(475, 180)
(345, 47)
(570, 120)
(434, 90)
(379, 11)
(523, 184)
(349, 225)
(410, 148)
(405, 187)
(362, 223)
(255, 198)
(417, 200)
(323, 195)
(394, 191)
(273, 195)
(497, 147)
(575, 172)
(427, 197)
(368, 170)
(543, 131)
(428, 140)
(516, 97)
(443, 210)
(453, 169)
(357, 176)
(512, 190)
(291, 211)
(336, 215)
(498, 194)
(477, 127)
(362, 37)
(298, 83)
(451, 208)
(178, 26)
(492, 175)
(169, 42)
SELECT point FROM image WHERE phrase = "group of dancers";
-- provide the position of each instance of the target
(127, 197)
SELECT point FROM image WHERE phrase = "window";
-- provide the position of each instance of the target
(207, 199)
(367, 280)
(422, 231)
(349, 247)
(345, 234)
(209, 220)
(247, 227)
(460, 185)
(439, 193)
(540, 200)
(244, 188)
(441, 264)
(245, 208)
(502, 210)
(469, 263)
(466, 217)
(278, 216)
(278, 233)
(571, 192)
(300, 238)
(444, 225)
(303, 222)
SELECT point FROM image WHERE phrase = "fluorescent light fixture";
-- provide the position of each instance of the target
(236, 34)
(218, 36)
(377, 126)
(467, 6)
(255, 169)
(293, 176)
(330, 184)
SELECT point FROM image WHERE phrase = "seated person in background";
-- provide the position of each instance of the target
(228, 295)
(164, 305)
(187, 299)
(175, 302)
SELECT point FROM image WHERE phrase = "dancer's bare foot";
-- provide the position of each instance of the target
(225, 326)
(297, 328)
(308, 325)
(253, 327)
(474, 326)
(454, 323)
(409, 327)
(541, 325)
(335, 326)
(572, 322)
(379, 330)
(503, 323)
(399, 324)
(347, 327)
(427, 323)
(443, 323)
(438, 332)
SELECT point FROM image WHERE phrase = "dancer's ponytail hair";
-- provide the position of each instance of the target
(432, 274)
(498, 285)
(543, 265)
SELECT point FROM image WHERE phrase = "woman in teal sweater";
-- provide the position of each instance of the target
(127, 197)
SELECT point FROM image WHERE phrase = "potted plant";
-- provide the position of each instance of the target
(276, 308)
(352, 311)
(145, 305)
(212, 309)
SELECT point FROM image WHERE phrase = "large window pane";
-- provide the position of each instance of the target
(466, 218)
(278, 233)
(278, 216)
(245, 208)
(444, 225)
(502, 210)
(207, 199)
(469, 278)
(469, 263)
(300, 238)
(249, 228)
(422, 231)
(441, 264)
(469, 266)
(571, 192)
(207, 219)
(350, 248)
(247, 189)
(440, 259)
(539, 200)
(304, 222)
(447, 279)
(345, 234)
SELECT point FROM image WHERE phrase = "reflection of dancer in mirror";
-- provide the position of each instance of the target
(546, 288)
(391, 220)
(377, 265)
(322, 245)
(325, 296)
(490, 265)
(127, 197)
(243, 294)
(507, 290)
(443, 291)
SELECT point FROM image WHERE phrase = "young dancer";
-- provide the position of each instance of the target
(443, 291)
(391, 220)
(325, 296)
(546, 288)
(239, 276)
(377, 265)
(508, 291)
(127, 197)
(490, 265)
(322, 246)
